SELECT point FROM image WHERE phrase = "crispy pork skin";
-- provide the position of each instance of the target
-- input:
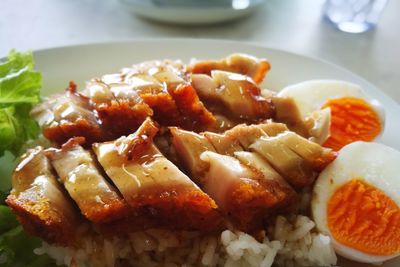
(239, 96)
(194, 114)
(97, 199)
(238, 63)
(155, 189)
(68, 115)
(39, 201)
(235, 140)
(119, 107)
(271, 179)
(241, 192)
(294, 157)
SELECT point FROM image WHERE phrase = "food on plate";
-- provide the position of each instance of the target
(67, 115)
(167, 164)
(356, 201)
(236, 93)
(244, 64)
(40, 202)
(77, 171)
(20, 90)
(354, 116)
(157, 192)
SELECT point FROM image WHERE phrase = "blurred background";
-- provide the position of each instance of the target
(294, 25)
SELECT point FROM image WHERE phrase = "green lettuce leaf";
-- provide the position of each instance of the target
(3, 196)
(16, 250)
(7, 219)
(15, 62)
(22, 86)
(19, 90)
(16, 247)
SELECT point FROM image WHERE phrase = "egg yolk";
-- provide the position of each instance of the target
(362, 217)
(352, 119)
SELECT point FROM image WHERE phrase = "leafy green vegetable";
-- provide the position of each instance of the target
(19, 90)
(7, 219)
(16, 249)
(3, 196)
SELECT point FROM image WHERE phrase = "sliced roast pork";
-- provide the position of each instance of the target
(194, 114)
(236, 95)
(171, 97)
(155, 189)
(120, 109)
(297, 159)
(189, 146)
(97, 199)
(316, 126)
(40, 202)
(241, 191)
(67, 115)
(238, 63)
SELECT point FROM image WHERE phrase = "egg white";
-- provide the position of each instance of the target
(374, 163)
(312, 95)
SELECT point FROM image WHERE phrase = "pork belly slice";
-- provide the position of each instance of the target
(119, 107)
(288, 113)
(137, 85)
(238, 63)
(271, 179)
(175, 101)
(313, 153)
(316, 156)
(155, 66)
(39, 201)
(294, 157)
(239, 96)
(65, 116)
(155, 189)
(163, 105)
(287, 162)
(194, 114)
(97, 199)
(248, 134)
(316, 126)
(232, 143)
(223, 144)
(189, 146)
(243, 193)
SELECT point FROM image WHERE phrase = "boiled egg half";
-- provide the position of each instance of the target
(356, 201)
(354, 115)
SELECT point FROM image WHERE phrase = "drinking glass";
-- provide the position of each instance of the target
(354, 16)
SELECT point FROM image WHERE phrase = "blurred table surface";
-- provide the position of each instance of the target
(293, 25)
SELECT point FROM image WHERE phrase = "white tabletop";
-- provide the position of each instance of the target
(294, 25)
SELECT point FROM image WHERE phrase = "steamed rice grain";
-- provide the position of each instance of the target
(289, 242)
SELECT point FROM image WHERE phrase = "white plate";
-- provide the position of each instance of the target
(80, 63)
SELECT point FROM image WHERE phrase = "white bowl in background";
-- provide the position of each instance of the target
(191, 12)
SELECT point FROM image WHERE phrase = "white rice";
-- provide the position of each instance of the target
(289, 242)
